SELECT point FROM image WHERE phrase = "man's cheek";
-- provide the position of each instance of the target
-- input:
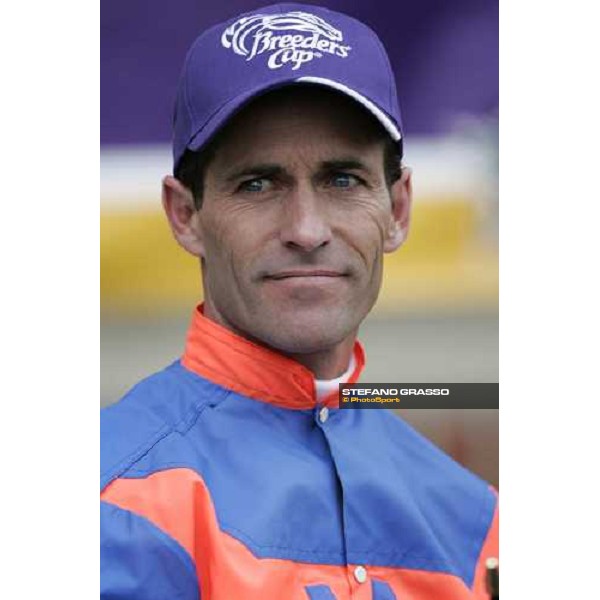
(367, 241)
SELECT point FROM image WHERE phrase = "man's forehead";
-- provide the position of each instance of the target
(299, 120)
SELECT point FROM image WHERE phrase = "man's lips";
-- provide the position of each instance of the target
(303, 273)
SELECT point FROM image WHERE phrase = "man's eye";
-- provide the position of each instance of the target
(344, 180)
(254, 185)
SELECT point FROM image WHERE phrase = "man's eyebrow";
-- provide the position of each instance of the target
(258, 170)
(275, 170)
(350, 164)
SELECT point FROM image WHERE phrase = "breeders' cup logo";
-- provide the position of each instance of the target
(309, 37)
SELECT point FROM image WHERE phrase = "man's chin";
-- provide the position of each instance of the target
(305, 292)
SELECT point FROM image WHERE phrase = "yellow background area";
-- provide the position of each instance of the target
(445, 264)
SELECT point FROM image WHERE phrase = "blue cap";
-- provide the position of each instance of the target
(278, 45)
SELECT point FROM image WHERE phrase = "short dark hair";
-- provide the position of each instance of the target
(192, 167)
(191, 170)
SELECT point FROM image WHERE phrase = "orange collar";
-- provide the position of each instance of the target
(238, 364)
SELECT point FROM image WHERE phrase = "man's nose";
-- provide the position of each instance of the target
(305, 224)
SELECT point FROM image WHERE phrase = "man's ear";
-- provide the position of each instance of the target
(401, 194)
(178, 203)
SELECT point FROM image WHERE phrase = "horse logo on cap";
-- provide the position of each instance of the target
(309, 37)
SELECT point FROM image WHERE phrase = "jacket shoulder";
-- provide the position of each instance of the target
(164, 403)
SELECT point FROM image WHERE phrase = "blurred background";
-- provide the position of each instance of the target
(437, 317)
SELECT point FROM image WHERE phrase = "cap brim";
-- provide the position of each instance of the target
(379, 114)
(221, 116)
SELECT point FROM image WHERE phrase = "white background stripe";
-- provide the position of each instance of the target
(442, 167)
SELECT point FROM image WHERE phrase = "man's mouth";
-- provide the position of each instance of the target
(303, 273)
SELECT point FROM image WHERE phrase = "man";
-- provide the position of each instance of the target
(232, 474)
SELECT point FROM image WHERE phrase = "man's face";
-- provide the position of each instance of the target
(295, 218)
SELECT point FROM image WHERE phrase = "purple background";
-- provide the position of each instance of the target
(444, 54)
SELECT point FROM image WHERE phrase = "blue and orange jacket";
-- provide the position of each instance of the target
(219, 481)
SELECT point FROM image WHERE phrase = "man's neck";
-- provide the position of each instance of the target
(327, 363)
